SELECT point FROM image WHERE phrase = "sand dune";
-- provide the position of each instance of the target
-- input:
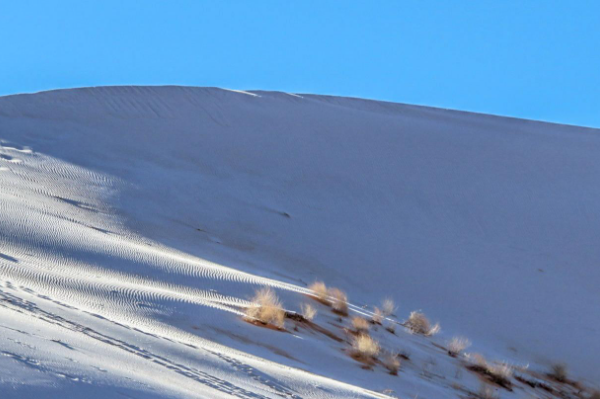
(136, 223)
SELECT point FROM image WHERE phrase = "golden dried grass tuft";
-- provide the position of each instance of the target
(365, 348)
(308, 311)
(339, 301)
(418, 323)
(456, 345)
(377, 317)
(266, 308)
(360, 325)
(320, 292)
(388, 307)
(391, 362)
(500, 373)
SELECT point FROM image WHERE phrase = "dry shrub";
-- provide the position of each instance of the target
(499, 373)
(320, 292)
(267, 308)
(418, 323)
(388, 307)
(365, 348)
(478, 360)
(339, 301)
(391, 362)
(595, 395)
(308, 311)
(377, 317)
(457, 345)
(360, 325)
(333, 297)
(391, 328)
(559, 372)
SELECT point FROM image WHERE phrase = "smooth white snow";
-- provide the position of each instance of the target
(136, 223)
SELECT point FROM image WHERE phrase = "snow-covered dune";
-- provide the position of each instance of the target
(136, 223)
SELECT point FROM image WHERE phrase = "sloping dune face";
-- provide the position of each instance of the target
(136, 224)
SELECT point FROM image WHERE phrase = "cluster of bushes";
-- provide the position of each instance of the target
(267, 309)
(332, 297)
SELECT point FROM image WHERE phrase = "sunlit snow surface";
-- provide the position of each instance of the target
(136, 223)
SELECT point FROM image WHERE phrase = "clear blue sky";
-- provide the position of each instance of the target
(529, 59)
